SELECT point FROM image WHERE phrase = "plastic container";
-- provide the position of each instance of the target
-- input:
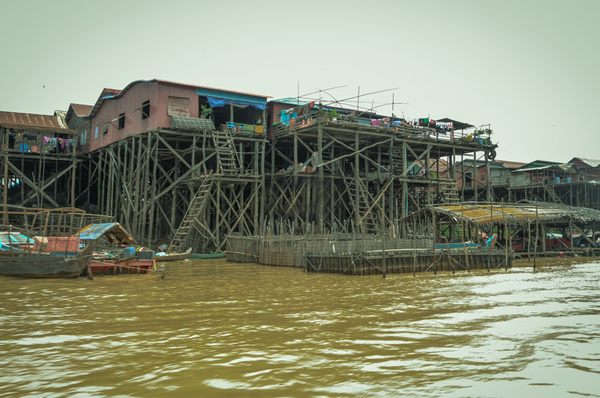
(557, 180)
(129, 252)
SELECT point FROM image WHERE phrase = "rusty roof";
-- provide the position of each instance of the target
(510, 164)
(81, 110)
(494, 213)
(24, 120)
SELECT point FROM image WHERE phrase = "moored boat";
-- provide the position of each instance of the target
(113, 253)
(172, 256)
(207, 255)
(27, 264)
(120, 266)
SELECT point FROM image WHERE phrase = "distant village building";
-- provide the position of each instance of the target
(38, 158)
(589, 169)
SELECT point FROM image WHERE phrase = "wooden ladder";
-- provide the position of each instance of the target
(191, 219)
(228, 160)
(365, 217)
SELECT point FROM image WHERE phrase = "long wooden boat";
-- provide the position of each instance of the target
(133, 265)
(26, 264)
(207, 255)
(173, 256)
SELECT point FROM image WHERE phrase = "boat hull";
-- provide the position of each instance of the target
(39, 265)
(208, 255)
(131, 266)
(173, 256)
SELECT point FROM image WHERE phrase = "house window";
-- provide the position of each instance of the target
(121, 122)
(468, 179)
(146, 110)
(96, 133)
(105, 128)
(83, 137)
(178, 106)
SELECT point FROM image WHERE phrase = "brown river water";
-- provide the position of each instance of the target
(217, 329)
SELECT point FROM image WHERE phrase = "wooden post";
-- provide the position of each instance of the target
(5, 190)
(571, 235)
(434, 234)
(537, 229)
(73, 170)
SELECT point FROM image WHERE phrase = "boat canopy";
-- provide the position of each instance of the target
(14, 238)
(114, 233)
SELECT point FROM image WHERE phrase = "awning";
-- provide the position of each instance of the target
(218, 98)
(457, 125)
(113, 232)
(216, 102)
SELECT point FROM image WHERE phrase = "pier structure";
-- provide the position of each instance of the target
(177, 164)
(187, 185)
(38, 161)
(194, 183)
(325, 171)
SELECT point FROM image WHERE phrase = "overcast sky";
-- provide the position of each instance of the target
(528, 68)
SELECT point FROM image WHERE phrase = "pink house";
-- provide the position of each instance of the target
(149, 105)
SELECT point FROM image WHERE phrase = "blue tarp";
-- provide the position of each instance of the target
(218, 98)
(113, 232)
(215, 102)
(5, 248)
(15, 238)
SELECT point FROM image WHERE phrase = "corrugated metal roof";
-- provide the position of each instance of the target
(291, 101)
(106, 93)
(510, 164)
(563, 168)
(81, 110)
(113, 232)
(589, 162)
(490, 213)
(29, 120)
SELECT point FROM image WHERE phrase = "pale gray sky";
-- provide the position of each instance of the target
(529, 68)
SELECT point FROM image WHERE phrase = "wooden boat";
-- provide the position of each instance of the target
(127, 261)
(133, 265)
(172, 256)
(207, 255)
(105, 237)
(27, 264)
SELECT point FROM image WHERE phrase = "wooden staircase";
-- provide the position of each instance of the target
(192, 219)
(362, 208)
(396, 160)
(227, 157)
(448, 193)
(552, 193)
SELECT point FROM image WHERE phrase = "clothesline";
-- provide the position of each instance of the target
(52, 142)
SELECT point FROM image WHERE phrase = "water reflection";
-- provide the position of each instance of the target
(211, 328)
